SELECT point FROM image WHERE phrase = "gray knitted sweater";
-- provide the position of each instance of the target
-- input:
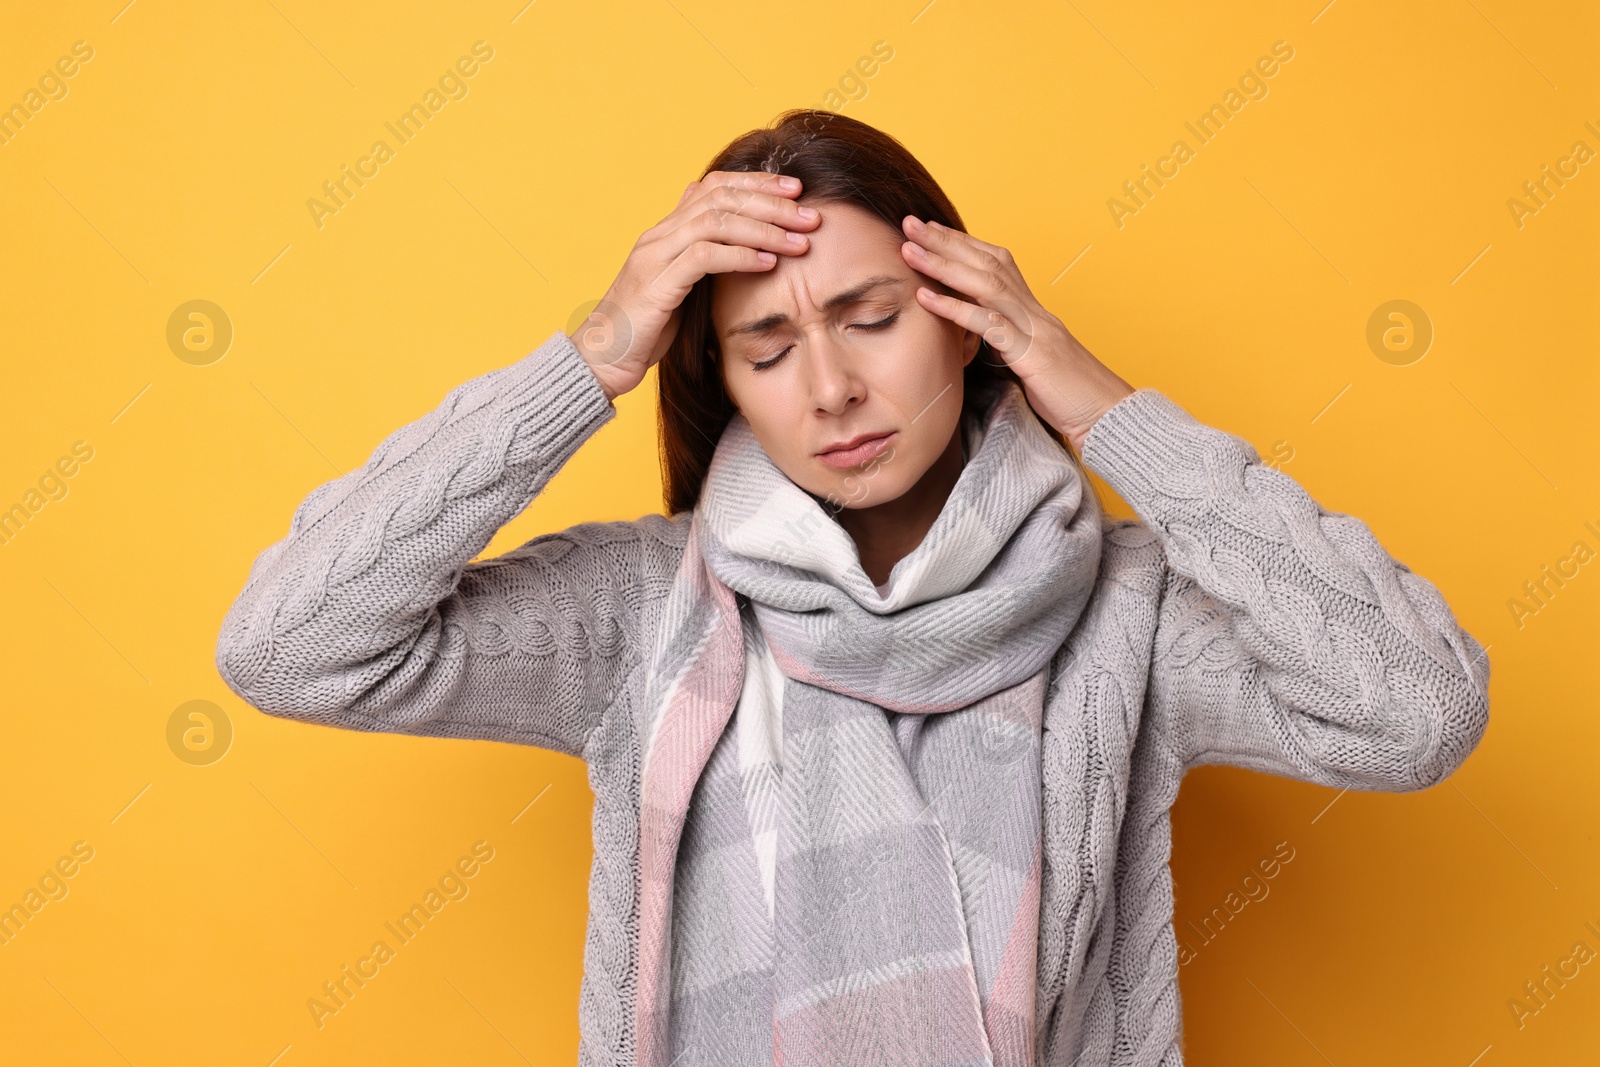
(1237, 622)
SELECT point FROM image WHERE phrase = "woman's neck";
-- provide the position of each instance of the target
(886, 533)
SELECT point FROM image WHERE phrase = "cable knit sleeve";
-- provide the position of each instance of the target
(368, 615)
(1287, 639)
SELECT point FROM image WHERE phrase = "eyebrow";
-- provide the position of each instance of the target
(852, 295)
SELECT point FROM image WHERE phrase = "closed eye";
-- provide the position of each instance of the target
(881, 324)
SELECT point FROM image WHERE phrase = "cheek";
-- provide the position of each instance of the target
(758, 396)
(921, 364)
(776, 413)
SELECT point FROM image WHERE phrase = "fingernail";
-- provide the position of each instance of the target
(808, 213)
(766, 257)
(917, 225)
(787, 182)
(916, 249)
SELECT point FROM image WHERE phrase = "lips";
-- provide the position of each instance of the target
(857, 450)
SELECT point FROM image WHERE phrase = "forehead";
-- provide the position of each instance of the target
(849, 245)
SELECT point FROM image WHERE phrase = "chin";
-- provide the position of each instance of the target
(861, 488)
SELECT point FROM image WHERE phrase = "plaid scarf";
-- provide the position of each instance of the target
(904, 919)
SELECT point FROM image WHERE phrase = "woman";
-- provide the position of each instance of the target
(884, 719)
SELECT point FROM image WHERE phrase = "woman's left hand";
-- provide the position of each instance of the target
(1063, 381)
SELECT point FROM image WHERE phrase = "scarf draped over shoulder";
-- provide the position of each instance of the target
(906, 890)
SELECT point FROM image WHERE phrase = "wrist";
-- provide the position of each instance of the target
(1078, 435)
(605, 372)
(1092, 408)
(1085, 389)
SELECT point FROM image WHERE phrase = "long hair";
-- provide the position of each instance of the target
(838, 160)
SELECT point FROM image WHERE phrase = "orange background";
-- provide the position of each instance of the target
(1378, 166)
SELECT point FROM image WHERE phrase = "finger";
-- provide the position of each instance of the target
(732, 188)
(975, 281)
(743, 184)
(735, 216)
(1003, 332)
(736, 227)
(721, 209)
(961, 247)
(950, 240)
(961, 237)
(756, 179)
(709, 257)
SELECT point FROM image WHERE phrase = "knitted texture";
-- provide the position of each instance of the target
(1234, 622)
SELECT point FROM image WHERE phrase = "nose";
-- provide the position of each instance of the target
(834, 381)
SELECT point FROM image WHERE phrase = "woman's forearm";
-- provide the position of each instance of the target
(343, 621)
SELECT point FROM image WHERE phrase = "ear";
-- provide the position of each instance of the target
(969, 346)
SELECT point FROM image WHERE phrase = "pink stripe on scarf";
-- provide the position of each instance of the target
(690, 724)
(1011, 999)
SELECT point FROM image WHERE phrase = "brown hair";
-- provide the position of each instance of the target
(837, 159)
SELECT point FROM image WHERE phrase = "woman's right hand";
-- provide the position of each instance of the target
(727, 221)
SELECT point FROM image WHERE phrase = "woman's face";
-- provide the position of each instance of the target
(831, 347)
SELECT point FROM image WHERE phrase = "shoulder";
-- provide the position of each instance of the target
(1116, 630)
(1131, 559)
